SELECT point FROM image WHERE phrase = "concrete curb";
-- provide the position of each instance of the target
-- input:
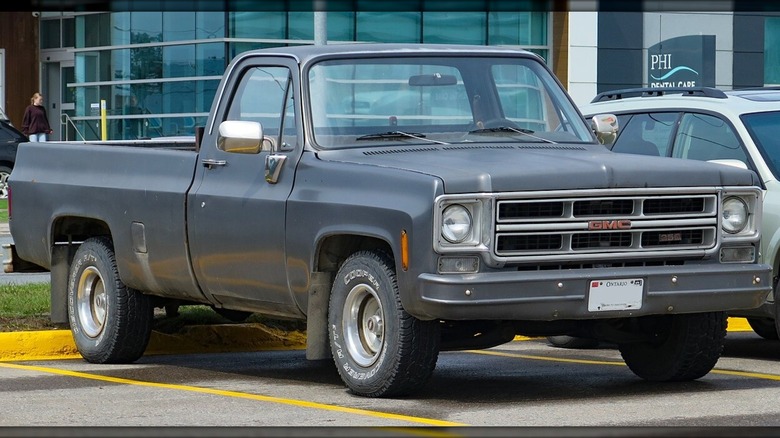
(59, 344)
(221, 338)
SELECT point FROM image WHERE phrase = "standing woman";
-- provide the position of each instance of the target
(35, 123)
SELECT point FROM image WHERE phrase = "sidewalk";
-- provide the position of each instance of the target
(4, 231)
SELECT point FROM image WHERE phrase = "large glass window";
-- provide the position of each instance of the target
(258, 24)
(68, 32)
(521, 28)
(300, 25)
(454, 27)
(209, 25)
(210, 59)
(178, 61)
(146, 63)
(389, 27)
(178, 26)
(772, 51)
(341, 26)
(120, 28)
(93, 30)
(146, 27)
(174, 107)
(50, 34)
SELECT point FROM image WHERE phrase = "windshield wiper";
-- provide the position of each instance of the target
(499, 129)
(397, 134)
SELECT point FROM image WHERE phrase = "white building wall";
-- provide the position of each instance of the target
(583, 56)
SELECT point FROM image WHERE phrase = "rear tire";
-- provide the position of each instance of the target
(5, 173)
(766, 328)
(110, 322)
(686, 346)
(379, 349)
(572, 342)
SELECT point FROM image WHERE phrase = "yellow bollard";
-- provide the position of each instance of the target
(103, 123)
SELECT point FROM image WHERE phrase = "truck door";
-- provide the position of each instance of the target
(235, 217)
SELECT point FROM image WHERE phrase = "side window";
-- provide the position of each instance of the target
(265, 95)
(289, 127)
(645, 134)
(704, 137)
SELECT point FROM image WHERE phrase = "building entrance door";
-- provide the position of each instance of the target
(59, 98)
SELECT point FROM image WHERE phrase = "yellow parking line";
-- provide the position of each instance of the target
(547, 358)
(257, 397)
(747, 374)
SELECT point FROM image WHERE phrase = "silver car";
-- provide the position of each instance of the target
(735, 127)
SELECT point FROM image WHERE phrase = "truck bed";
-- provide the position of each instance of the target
(136, 190)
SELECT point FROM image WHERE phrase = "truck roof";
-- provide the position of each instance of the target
(307, 52)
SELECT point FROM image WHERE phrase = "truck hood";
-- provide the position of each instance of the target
(513, 167)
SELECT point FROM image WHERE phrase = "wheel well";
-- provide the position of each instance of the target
(67, 229)
(331, 254)
(335, 249)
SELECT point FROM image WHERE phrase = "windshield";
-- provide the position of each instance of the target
(439, 100)
(764, 129)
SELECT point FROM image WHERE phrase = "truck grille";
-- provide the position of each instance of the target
(615, 224)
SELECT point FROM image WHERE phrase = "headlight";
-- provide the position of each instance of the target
(735, 215)
(456, 223)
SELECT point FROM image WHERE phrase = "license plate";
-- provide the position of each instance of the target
(618, 294)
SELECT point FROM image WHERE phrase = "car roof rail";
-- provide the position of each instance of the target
(759, 88)
(659, 91)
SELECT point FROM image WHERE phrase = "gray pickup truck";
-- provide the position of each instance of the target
(403, 200)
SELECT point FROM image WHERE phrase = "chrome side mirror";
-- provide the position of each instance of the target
(605, 126)
(240, 137)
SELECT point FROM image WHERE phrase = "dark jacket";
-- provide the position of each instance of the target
(35, 120)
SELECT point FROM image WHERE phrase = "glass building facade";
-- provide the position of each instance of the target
(157, 72)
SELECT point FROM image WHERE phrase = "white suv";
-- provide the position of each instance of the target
(737, 127)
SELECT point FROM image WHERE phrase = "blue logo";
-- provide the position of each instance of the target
(673, 71)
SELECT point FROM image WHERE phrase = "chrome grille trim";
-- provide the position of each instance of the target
(545, 227)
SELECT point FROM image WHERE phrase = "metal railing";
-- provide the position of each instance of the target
(64, 121)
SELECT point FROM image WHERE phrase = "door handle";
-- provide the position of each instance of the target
(211, 163)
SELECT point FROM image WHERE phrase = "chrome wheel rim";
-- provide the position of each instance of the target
(91, 302)
(364, 327)
(4, 185)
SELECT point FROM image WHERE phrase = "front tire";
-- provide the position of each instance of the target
(379, 349)
(110, 322)
(685, 347)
